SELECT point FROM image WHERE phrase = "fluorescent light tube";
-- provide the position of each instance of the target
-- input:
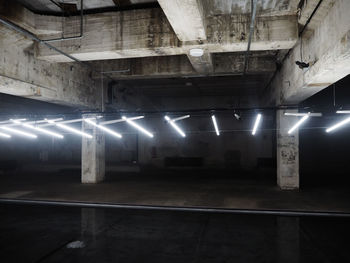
(39, 129)
(173, 124)
(295, 114)
(121, 120)
(315, 114)
(343, 111)
(26, 134)
(256, 124)
(103, 128)
(67, 128)
(300, 122)
(136, 126)
(215, 125)
(338, 125)
(181, 118)
(5, 135)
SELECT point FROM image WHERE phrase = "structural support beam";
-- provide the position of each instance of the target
(287, 152)
(186, 18)
(307, 9)
(23, 75)
(37, 24)
(92, 153)
(327, 51)
(179, 66)
(203, 64)
(147, 32)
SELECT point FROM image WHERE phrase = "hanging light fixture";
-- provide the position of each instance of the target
(173, 124)
(118, 135)
(215, 125)
(4, 135)
(29, 126)
(300, 122)
(67, 128)
(256, 124)
(138, 127)
(338, 125)
(19, 132)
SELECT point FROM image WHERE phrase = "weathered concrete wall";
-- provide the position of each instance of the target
(188, 94)
(43, 150)
(235, 148)
(21, 74)
(265, 7)
(327, 49)
(222, 64)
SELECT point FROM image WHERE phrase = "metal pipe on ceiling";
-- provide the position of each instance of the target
(56, 4)
(30, 35)
(251, 31)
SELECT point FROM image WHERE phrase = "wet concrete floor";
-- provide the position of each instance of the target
(194, 189)
(71, 234)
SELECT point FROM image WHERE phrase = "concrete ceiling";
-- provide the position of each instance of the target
(47, 6)
(213, 7)
(145, 49)
(223, 7)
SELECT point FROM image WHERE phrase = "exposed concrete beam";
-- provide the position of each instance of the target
(179, 66)
(328, 52)
(23, 75)
(186, 18)
(144, 33)
(264, 7)
(234, 63)
(37, 24)
(203, 64)
(188, 21)
(25, 89)
(308, 8)
(293, 6)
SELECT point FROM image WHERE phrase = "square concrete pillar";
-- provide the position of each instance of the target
(92, 153)
(287, 152)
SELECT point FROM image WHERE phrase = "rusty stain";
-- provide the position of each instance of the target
(345, 40)
(38, 92)
(319, 84)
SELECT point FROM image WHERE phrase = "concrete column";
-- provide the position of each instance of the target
(92, 154)
(287, 152)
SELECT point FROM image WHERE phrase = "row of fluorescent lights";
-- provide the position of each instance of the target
(306, 116)
(131, 121)
(21, 122)
(92, 121)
